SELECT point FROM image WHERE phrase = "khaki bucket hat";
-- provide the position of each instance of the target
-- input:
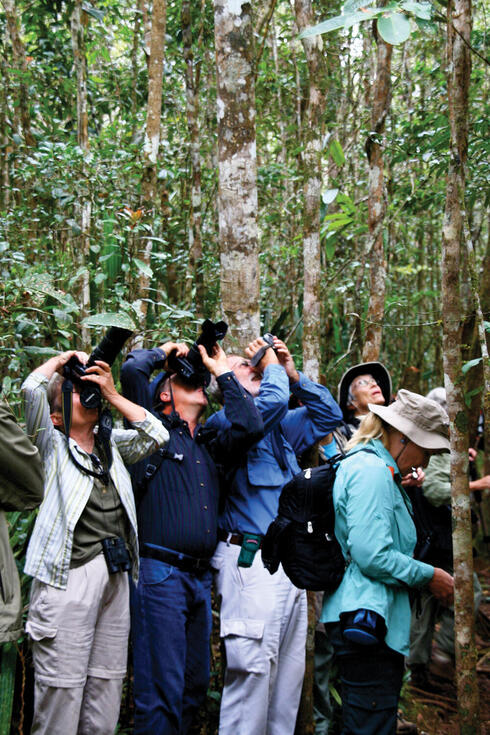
(425, 422)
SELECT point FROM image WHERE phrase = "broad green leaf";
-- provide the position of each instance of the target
(143, 267)
(94, 12)
(106, 319)
(427, 26)
(394, 28)
(468, 365)
(341, 21)
(471, 394)
(337, 152)
(487, 326)
(35, 350)
(420, 10)
(352, 5)
(329, 195)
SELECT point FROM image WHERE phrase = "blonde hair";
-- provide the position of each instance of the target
(371, 427)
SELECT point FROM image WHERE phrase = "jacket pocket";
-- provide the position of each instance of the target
(243, 645)
(7, 587)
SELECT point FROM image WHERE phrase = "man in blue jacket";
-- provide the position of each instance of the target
(177, 506)
(264, 617)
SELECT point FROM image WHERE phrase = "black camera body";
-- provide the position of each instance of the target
(107, 350)
(191, 368)
(269, 340)
(116, 555)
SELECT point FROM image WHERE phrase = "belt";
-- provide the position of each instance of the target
(230, 538)
(184, 562)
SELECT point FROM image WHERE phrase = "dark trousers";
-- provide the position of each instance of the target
(170, 628)
(371, 679)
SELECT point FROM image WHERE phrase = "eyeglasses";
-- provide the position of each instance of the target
(364, 383)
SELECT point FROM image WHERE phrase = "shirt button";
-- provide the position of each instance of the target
(205, 507)
(180, 433)
(208, 531)
(201, 484)
(244, 395)
(198, 461)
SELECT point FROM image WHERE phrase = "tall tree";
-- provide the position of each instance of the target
(20, 61)
(151, 145)
(83, 206)
(237, 167)
(381, 101)
(459, 70)
(313, 132)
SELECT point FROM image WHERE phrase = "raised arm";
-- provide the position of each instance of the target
(22, 479)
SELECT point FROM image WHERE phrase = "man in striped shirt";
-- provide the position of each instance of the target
(79, 613)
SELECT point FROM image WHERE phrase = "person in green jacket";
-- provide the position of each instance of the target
(368, 616)
(21, 488)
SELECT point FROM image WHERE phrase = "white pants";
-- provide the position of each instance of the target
(79, 646)
(263, 624)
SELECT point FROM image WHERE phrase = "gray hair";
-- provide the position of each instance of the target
(439, 396)
(54, 393)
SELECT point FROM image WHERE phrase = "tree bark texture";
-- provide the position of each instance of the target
(313, 130)
(237, 166)
(151, 144)
(381, 101)
(459, 69)
(83, 207)
(192, 86)
(20, 60)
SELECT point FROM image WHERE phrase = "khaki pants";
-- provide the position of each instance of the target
(79, 645)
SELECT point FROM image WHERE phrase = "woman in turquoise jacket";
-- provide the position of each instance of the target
(368, 616)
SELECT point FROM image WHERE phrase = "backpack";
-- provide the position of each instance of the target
(302, 537)
(433, 524)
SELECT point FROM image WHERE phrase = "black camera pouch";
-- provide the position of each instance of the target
(365, 627)
(116, 555)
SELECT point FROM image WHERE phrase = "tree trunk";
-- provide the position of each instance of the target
(83, 206)
(237, 168)
(20, 61)
(192, 86)
(381, 100)
(459, 69)
(312, 189)
(151, 147)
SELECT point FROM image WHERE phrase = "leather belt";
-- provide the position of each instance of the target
(230, 538)
(182, 561)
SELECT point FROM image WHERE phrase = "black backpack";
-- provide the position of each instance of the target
(302, 537)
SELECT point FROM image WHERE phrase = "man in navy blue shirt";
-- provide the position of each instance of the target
(264, 617)
(177, 504)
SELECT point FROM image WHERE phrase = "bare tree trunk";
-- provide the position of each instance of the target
(237, 197)
(381, 100)
(151, 146)
(459, 69)
(20, 61)
(192, 86)
(312, 189)
(134, 72)
(4, 140)
(83, 206)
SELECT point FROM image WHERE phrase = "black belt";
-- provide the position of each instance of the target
(184, 562)
(230, 538)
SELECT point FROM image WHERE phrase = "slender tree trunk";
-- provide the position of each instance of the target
(459, 70)
(83, 206)
(134, 73)
(5, 147)
(151, 147)
(237, 197)
(192, 87)
(20, 61)
(381, 100)
(312, 189)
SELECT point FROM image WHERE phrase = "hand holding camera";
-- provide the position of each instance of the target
(261, 353)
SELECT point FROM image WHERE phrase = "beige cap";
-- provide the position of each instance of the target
(425, 422)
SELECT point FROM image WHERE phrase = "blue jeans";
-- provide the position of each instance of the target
(170, 628)
(371, 679)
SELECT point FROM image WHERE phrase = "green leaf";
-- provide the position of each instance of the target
(427, 26)
(420, 10)
(471, 394)
(394, 28)
(329, 195)
(35, 350)
(341, 21)
(487, 326)
(352, 5)
(94, 12)
(337, 152)
(143, 268)
(468, 365)
(106, 319)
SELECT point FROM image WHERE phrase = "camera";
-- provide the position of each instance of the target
(269, 340)
(190, 368)
(108, 349)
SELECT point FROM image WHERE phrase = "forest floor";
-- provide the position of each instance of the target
(435, 710)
